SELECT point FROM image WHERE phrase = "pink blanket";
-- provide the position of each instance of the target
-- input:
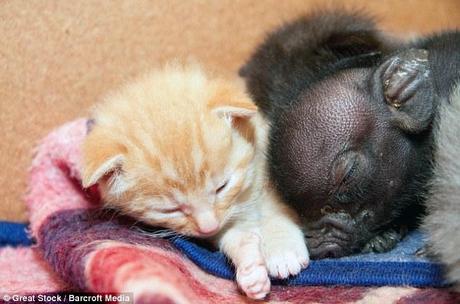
(81, 248)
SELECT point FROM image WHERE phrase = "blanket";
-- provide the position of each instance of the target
(80, 247)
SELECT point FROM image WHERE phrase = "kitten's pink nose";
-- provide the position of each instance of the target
(208, 229)
(207, 223)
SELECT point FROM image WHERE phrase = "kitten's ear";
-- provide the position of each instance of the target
(232, 103)
(93, 172)
(233, 112)
(101, 158)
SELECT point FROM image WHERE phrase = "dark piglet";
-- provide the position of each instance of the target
(351, 112)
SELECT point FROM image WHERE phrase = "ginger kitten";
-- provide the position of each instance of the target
(183, 151)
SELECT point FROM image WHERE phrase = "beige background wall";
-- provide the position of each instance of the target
(58, 57)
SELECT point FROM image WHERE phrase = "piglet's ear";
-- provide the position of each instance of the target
(101, 158)
(407, 87)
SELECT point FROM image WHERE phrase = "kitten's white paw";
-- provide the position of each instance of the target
(286, 258)
(253, 280)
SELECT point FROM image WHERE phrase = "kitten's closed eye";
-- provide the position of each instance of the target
(170, 210)
(222, 187)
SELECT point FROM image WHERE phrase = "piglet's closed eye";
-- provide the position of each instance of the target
(344, 168)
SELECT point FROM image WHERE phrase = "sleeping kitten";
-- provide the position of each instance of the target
(180, 150)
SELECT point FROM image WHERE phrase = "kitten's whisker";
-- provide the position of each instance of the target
(134, 224)
(162, 233)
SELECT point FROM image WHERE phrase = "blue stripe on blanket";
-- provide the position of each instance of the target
(397, 267)
(13, 234)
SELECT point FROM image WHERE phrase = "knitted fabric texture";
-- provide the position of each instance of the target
(95, 251)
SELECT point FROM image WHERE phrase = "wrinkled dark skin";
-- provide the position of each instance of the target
(350, 165)
(351, 114)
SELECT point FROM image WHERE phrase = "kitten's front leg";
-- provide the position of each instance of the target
(284, 247)
(244, 248)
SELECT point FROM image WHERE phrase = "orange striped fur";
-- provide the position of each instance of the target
(164, 144)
